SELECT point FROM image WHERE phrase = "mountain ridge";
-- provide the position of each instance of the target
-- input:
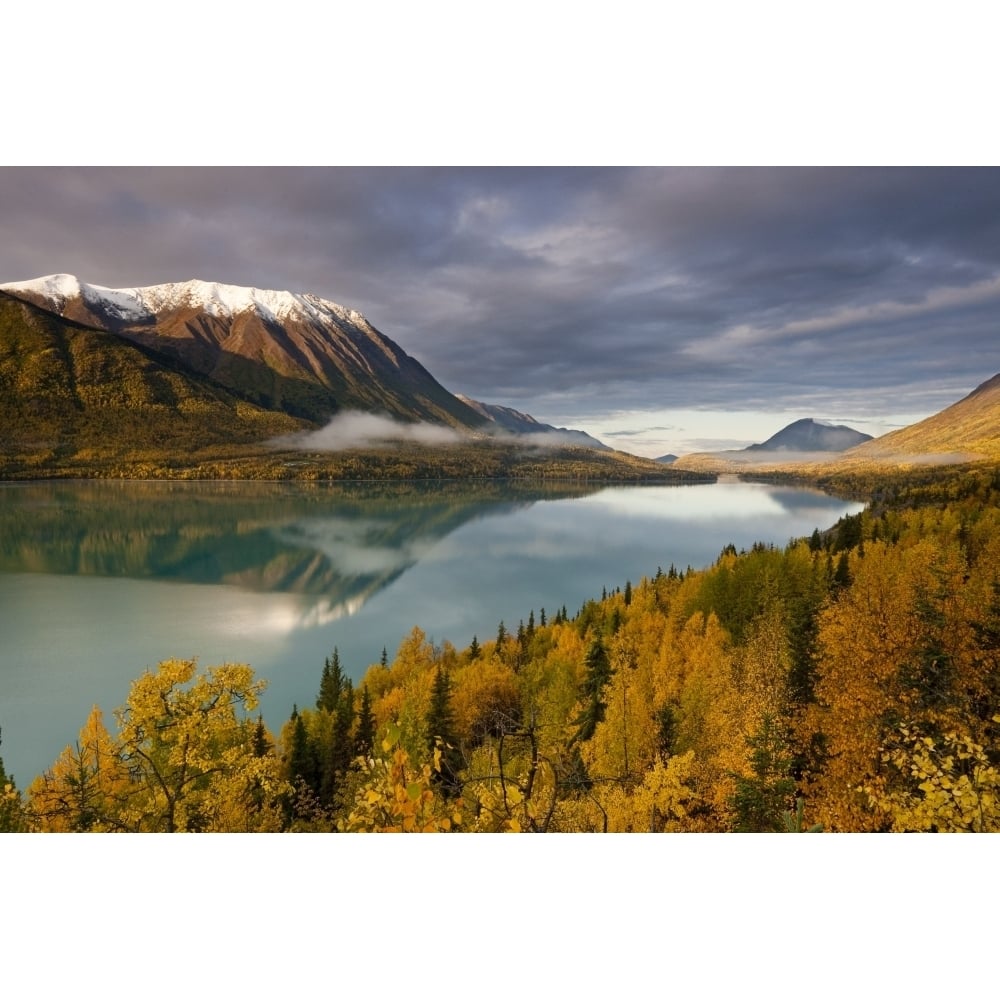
(77, 400)
(513, 421)
(967, 430)
(286, 351)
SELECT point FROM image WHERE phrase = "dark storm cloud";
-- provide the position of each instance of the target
(555, 289)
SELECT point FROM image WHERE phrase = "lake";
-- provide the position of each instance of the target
(102, 580)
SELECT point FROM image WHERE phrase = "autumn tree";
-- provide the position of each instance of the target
(13, 818)
(189, 749)
(399, 796)
(86, 786)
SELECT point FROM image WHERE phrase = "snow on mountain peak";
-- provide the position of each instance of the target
(56, 287)
(215, 298)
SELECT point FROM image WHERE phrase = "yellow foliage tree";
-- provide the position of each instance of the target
(185, 759)
(943, 785)
(661, 803)
(82, 789)
(890, 650)
(398, 796)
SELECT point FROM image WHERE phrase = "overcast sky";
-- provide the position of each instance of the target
(659, 309)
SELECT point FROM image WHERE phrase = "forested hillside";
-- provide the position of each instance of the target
(847, 682)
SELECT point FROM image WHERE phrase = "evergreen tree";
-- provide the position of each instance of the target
(842, 575)
(628, 593)
(441, 727)
(384, 661)
(541, 618)
(261, 743)
(302, 764)
(598, 673)
(342, 749)
(474, 649)
(501, 635)
(331, 683)
(364, 736)
(574, 776)
(760, 802)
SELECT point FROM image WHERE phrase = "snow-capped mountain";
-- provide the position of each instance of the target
(295, 352)
(139, 305)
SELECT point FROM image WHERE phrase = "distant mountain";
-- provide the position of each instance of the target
(666, 459)
(812, 435)
(514, 422)
(297, 353)
(965, 431)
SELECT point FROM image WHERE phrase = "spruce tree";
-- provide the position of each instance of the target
(302, 764)
(441, 727)
(331, 683)
(261, 744)
(364, 736)
(342, 749)
(598, 673)
(474, 649)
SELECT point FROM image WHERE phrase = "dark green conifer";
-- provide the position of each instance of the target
(331, 683)
(598, 673)
(364, 737)
(261, 744)
(441, 732)
(302, 763)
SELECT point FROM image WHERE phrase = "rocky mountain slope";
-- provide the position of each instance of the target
(233, 384)
(67, 389)
(297, 353)
(965, 431)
